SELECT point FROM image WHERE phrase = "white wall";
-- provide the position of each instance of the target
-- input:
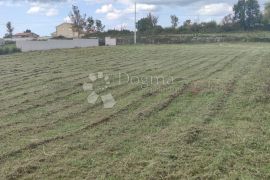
(26, 46)
(110, 41)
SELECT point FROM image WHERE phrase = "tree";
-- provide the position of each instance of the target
(240, 12)
(254, 15)
(10, 30)
(90, 24)
(227, 20)
(187, 25)
(228, 23)
(174, 21)
(148, 24)
(211, 26)
(78, 20)
(266, 15)
(27, 31)
(247, 13)
(144, 25)
(187, 22)
(153, 19)
(99, 26)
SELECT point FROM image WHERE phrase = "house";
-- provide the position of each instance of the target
(66, 30)
(2, 42)
(25, 35)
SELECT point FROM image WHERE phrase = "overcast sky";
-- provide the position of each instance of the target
(41, 16)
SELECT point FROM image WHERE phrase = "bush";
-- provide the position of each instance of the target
(9, 50)
(9, 42)
(14, 50)
(6, 50)
(62, 38)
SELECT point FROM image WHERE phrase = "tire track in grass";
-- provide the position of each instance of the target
(220, 103)
(160, 106)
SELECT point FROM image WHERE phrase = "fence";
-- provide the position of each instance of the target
(26, 46)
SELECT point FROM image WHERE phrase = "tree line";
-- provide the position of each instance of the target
(246, 16)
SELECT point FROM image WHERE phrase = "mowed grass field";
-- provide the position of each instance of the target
(211, 122)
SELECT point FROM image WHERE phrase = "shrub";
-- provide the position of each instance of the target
(9, 50)
(6, 50)
(14, 50)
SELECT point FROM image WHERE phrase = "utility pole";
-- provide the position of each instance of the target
(135, 31)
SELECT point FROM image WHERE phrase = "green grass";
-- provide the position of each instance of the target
(211, 123)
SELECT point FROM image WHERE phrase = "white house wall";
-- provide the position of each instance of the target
(26, 46)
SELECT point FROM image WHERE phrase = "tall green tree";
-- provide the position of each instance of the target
(148, 24)
(153, 19)
(247, 13)
(144, 25)
(266, 15)
(254, 15)
(228, 23)
(90, 24)
(240, 12)
(99, 26)
(174, 21)
(10, 30)
(27, 31)
(187, 25)
(78, 20)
